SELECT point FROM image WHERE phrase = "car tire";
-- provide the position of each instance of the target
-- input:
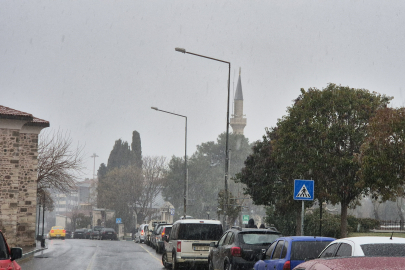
(175, 264)
(165, 263)
(63, 238)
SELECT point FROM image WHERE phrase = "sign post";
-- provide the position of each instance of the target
(303, 191)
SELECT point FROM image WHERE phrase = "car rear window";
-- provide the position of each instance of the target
(198, 231)
(301, 250)
(256, 238)
(384, 250)
(58, 228)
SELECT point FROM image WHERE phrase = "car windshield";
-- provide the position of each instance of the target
(384, 250)
(197, 231)
(301, 250)
(253, 238)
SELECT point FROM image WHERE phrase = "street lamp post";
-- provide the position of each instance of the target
(185, 160)
(182, 50)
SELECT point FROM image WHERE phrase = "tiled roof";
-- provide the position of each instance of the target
(8, 113)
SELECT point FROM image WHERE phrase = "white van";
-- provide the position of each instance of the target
(189, 242)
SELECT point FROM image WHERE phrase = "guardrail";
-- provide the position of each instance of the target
(390, 225)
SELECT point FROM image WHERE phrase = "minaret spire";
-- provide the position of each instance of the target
(238, 122)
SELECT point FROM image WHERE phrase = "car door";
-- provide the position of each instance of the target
(172, 242)
(262, 264)
(225, 251)
(275, 258)
(216, 258)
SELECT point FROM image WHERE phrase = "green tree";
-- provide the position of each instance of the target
(320, 137)
(136, 149)
(120, 155)
(102, 184)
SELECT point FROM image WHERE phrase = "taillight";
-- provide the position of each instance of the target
(64, 231)
(236, 251)
(178, 246)
(51, 231)
(142, 232)
(287, 266)
(163, 232)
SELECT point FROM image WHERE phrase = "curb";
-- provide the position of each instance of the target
(25, 255)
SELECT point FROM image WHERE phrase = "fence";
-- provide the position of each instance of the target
(389, 225)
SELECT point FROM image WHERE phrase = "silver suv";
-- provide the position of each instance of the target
(189, 242)
(140, 235)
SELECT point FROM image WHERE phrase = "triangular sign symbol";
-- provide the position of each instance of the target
(303, 193)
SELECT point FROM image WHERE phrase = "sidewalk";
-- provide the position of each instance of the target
(27, 251)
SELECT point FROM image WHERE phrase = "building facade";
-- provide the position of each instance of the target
(18, 173)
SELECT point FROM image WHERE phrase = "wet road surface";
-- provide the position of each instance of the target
(84, 254)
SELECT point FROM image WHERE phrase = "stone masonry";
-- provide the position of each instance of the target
(18, 175)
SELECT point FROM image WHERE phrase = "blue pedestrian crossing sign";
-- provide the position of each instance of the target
(304, 190)
(118, 221)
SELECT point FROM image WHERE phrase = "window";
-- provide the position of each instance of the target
(3, 248)
(255, 238)
(284, 252)
(344, 250)
(228, 238)
(329, 252)
(384, 250)
(277, 251)
(199, 231)
(301, 250)
(173, 234)
(270, 251)
(221, 242)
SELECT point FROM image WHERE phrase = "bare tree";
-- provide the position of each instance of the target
(60, 163)
(154, 172)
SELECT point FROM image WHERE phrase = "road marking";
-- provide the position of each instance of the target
(148, 252)
(90, 266)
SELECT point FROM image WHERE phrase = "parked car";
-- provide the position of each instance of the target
(108, 233)
(68, 234)
(87, 233)
(163, 230)
(95, 233)
(240, 248)
(288, 252)
(8, 256)
(140, 235)
(151, 233)
(155, 234)
(79, 234)
(189, 242)
(345, 263)
(57, 232)
(365, 246)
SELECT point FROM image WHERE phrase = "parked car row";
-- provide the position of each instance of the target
(98, 232)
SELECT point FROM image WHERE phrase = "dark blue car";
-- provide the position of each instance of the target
(287, 252)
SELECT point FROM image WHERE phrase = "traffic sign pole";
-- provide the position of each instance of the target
(302, 219)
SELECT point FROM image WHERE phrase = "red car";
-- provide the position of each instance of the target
(8, 256)
(354, 263)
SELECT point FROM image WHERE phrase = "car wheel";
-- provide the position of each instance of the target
(175, 264)
(63, 238)
(164, 261)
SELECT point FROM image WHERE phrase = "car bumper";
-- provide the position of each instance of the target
(54, 235)
(242, 264)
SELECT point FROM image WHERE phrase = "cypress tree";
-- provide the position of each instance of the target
(136, 150)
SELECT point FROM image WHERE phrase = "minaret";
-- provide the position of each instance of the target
(238, 122)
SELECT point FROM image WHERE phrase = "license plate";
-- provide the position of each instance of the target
(201, 248)
(58, 235)
(109, 233)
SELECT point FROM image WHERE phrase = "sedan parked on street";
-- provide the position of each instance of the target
(108, 233)
(95, 233)
(163, 230)
(240, 248)
(365, 246)
(346, 263)
(288, 252)
(79, 234)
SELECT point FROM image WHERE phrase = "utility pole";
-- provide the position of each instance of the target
(94, 166)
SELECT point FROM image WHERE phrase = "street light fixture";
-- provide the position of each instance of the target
(182, 50)
(185, 159)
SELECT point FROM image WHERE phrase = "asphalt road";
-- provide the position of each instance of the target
(83, 254)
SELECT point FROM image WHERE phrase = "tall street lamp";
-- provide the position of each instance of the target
(182, 50)
(185, 159)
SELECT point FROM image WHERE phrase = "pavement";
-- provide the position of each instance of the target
(28, 251)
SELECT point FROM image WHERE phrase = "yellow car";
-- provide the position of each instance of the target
(57, 232)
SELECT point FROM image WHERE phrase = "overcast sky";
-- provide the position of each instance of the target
(94, 68)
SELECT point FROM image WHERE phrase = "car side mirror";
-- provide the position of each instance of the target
(16, 253)
(213, 245)
(165, 238)
(262, 254)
